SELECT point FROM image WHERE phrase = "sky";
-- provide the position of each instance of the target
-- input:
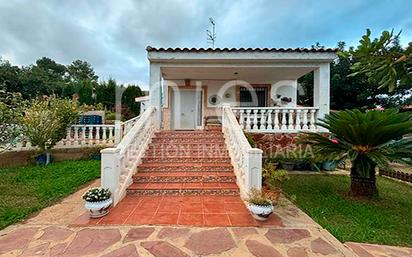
(113, 35)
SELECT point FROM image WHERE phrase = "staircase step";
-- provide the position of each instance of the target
(190, 140)
(188, 145)
(186, 159)
(181, 177)
(185, 153)
(183, 189)
(185, 167)
(192, 134)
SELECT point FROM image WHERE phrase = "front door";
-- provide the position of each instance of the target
(186, 109)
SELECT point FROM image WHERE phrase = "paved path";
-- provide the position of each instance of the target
(52, 233)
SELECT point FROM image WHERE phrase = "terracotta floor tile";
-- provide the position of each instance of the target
(172, 199)
(139, 218)
(131, 200)
(232, 199)
(173, 185)
(216, 220)
(164, 218)
(170, 207)
(192, 185)
(155, 185)
(190, 219)
(241, 219)
(191, 199)
(235, 208)
(188, 207)
(211, 185)
(227, 185)
(211, 207)
(212, 199)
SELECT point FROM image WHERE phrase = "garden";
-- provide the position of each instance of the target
(28, 189)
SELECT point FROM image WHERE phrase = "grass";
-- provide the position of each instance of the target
(386, 220)
(25, 190)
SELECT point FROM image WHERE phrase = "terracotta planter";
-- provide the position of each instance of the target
(98, 209)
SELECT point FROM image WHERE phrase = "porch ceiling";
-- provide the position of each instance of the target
(249, 74)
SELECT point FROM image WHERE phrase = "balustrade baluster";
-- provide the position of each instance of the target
(283, 120)
(291, 119)
(269, 120)
(255, 120)
(297, 124)
(241, 119)
(248, 127)
(312, 125)
(76, 135)
(305, 119)
(276, 117)
(262, 120)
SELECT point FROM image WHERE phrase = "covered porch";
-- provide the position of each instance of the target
(261, 87)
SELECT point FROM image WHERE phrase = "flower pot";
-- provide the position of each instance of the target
(98, 209)
(287, 165)
(260, 212)
(96, 156)
(43, 159)
(329, 165)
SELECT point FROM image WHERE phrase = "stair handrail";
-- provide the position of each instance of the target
(119, 164)
(247, 161)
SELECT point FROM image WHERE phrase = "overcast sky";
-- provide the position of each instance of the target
(113, 35)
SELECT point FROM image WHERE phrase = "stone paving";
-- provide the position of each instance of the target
(50, 233)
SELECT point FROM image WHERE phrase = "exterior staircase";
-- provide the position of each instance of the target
(185, 163)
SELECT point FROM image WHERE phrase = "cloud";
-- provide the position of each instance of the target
(112, 35)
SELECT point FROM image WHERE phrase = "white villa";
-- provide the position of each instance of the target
(251, 89)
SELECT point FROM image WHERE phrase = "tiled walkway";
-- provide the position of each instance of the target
(211, 211)
(51, 233)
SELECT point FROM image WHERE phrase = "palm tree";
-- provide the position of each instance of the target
(369, 140)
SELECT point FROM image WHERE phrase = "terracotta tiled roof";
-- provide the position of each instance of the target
(272, 50)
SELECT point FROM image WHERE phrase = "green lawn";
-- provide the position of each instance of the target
(387, 220)
(24, 190)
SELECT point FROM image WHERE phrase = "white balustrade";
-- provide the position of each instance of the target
(277, 119)
(120, 163)
(87, 136)
(247, 161)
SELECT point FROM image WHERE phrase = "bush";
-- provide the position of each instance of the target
(46, 121)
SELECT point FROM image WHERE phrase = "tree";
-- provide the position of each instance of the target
(128, 99)
(80, 71)
(46, 122)
(11, 113)
(369, 140)
(382, 60)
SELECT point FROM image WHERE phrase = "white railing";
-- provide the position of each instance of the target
(87, 136)
(247, 161)
(120, 163)
(277, 119)
(127, 125)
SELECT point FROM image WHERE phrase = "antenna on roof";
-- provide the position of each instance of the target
(211, 35)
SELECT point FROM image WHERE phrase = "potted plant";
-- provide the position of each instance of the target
(98, 201)
(259, 205)
(273, 180)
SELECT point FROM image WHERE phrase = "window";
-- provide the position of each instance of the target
(247, 98)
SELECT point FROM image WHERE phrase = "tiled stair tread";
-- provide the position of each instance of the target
(184, 174)
(166, 186)
(199, 165)
(190, 164)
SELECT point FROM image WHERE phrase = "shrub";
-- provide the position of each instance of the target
(46, 121)
(369, 140)
(274, 178)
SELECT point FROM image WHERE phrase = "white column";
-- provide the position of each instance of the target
(321, 90)
(110, 171)
(117, 132)
(254, 170)
(156, 92)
